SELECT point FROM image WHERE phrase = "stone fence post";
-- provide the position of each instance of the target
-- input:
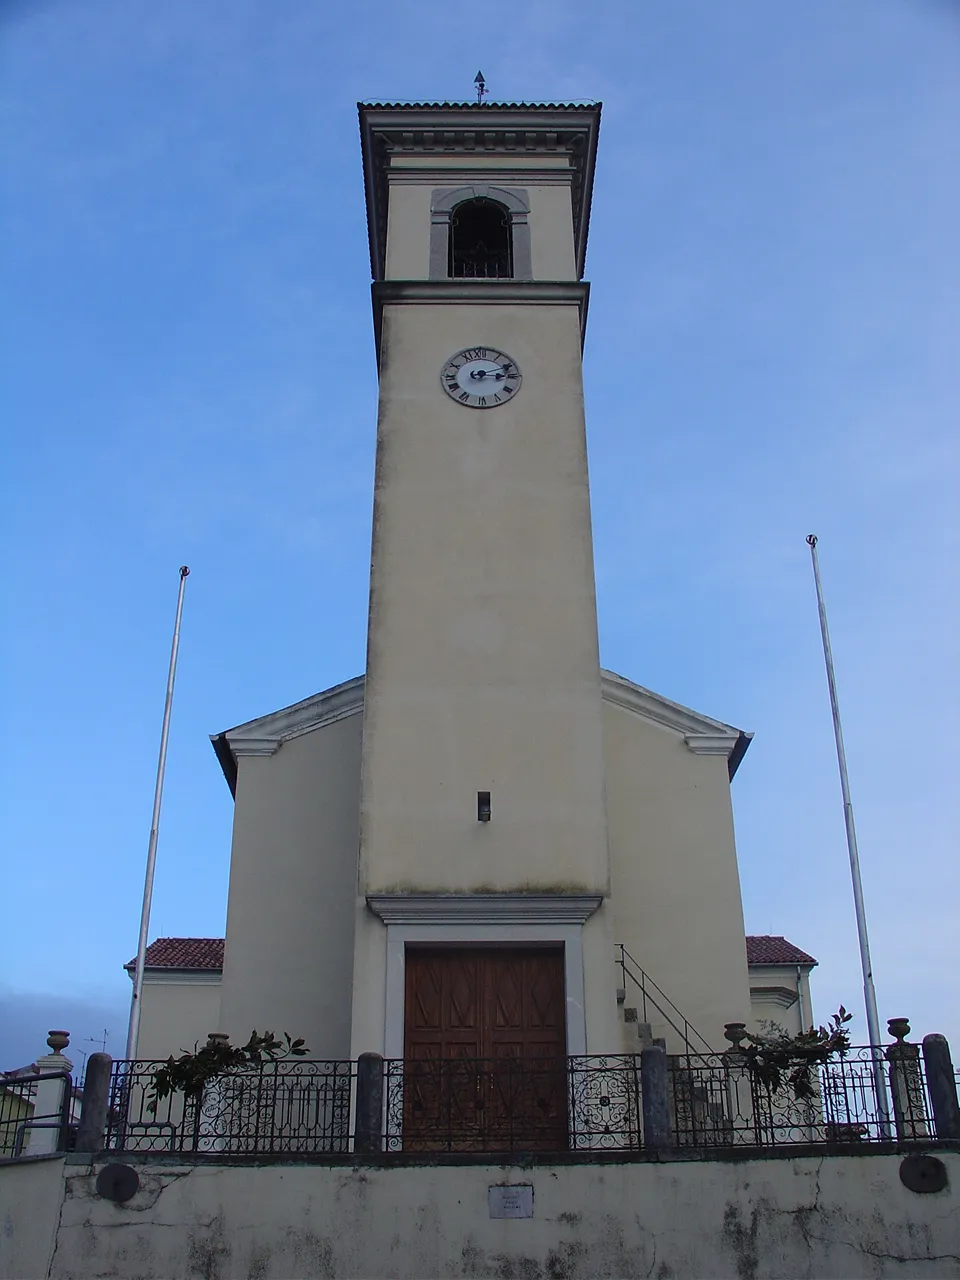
(654, 1097)
(96, 1099)
(744, 1110)
(942, 1087)
(906, 1083)
(368, 1128)
(51, 1099)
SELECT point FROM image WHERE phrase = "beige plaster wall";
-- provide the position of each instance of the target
(31, 1193)
(176, 1015)
(368, 1028)
(673, 867)
(483, 669)
(289, 945)
(551, 233)
(408, 232)
(550, 221)
(824, 1216)
(767, 1002)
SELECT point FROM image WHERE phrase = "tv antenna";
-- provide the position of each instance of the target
(481, 87)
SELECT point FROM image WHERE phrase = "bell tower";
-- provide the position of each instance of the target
(482, 818)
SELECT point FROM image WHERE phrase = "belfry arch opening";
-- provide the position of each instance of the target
(481, 245)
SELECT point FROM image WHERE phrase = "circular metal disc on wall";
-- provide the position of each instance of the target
(923, 1173)
(117, 1182)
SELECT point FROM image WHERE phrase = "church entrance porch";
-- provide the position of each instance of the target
(484, 1049)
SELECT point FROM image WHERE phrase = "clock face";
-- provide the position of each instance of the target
(481, 377)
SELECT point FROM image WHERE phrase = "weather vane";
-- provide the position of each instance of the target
(481, 86)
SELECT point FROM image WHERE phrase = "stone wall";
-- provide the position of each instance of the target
(31, 1193)
(817, 1216)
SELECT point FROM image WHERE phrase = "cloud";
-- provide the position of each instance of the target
(27, 1016)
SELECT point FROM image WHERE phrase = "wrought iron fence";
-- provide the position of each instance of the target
(285, 1107)
(20, 1096)
(521, 1105)
(493, 1105)
(716, 1101)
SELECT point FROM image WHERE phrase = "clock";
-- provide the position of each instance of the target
(481, 377)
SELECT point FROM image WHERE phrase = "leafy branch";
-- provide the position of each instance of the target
(779, 1060)
(191, 1073)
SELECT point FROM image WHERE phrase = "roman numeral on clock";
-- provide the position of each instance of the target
(491, 372)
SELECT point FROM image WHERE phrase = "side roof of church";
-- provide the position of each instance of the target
(267, 733)
(194, 954)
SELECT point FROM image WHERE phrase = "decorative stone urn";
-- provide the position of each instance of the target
(735, 1032)
(58, 1040)
(899, 1028)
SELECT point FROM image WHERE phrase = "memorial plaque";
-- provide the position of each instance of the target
(513, 1201)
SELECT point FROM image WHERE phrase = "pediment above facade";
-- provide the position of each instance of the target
(265, 735)
(703, 735)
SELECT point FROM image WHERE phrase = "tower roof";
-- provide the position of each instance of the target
(469, 128)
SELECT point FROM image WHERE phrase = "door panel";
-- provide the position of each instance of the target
(477, 1022)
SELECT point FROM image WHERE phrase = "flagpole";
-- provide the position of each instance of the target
(869, 992)
(133, 1031)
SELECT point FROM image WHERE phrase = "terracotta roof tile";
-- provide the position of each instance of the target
(183, 953)
(207, 953)
(767, 948)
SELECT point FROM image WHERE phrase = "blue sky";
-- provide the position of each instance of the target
(189, 377)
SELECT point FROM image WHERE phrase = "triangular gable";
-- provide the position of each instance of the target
(263, 736)
(702, 734)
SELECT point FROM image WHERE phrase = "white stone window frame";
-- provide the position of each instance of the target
(444, 200)
(478, 920)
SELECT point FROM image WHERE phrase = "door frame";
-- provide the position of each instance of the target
(468, 919)
(398, 936)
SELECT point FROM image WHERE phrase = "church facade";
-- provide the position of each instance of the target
(487, 845)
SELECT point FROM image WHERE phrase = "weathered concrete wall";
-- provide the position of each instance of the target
(31, 1192)
(833, 1216)
(483, 668)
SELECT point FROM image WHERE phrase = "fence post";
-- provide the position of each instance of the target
(654, 1097)
(941, 1086)
(51, 1101)
(906, 1084)
(96, 1098)
(748, 1111)
(368, 1129)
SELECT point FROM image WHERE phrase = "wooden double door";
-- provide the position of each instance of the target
(485, 1049)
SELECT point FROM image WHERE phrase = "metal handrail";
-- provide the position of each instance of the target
(47, 1120)
(625, 962)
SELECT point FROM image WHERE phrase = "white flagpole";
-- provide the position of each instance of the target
(133, 1031)
(869, 993)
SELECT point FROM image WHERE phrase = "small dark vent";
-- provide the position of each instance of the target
(483, 806)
